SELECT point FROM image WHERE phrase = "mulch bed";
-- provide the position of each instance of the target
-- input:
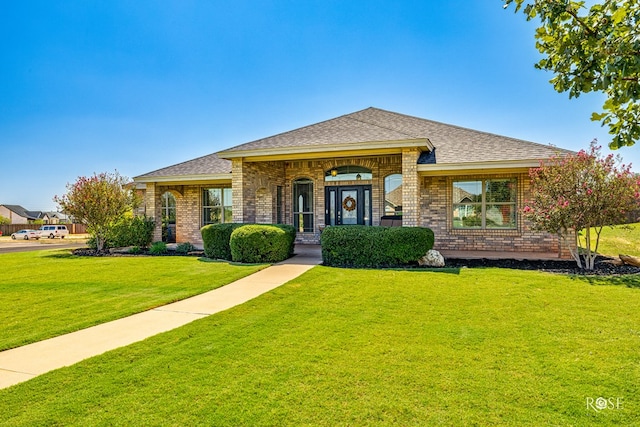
(601, 268)
(93, 252)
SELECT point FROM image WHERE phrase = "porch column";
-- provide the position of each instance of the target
(237, 189)
(153, 210)
(410, 201)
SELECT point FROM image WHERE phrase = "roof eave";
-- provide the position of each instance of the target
(190, 178)
(478, 167)
(332, 149)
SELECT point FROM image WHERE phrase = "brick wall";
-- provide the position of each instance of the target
(436, 213)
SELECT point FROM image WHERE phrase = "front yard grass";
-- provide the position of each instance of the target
(49, 293)
(366, 347)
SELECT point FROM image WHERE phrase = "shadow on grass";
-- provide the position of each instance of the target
(60, 254)
(446, 270)
(630, 281)
(222, 261)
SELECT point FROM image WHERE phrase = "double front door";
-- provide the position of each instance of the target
(348, 205)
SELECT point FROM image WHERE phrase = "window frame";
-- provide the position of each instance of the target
(224, 206)
(484, 203)
(305, 214)
(387, 181)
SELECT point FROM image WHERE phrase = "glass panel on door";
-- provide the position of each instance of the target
(349, 207)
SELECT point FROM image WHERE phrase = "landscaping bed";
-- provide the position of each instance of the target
(142, 252)
(603, 266)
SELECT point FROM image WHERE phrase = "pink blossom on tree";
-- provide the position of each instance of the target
(581, 191)
(98, 201)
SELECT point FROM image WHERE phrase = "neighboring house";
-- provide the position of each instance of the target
(55, 218)
(467, 186)
(19, 215)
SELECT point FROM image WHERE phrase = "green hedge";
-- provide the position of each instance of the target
(372, 247)
(216, 239)
(262, 243)
(217, 242)
(135, 231)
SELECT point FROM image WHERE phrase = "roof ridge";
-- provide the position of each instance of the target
(376, 124)
(303, 127)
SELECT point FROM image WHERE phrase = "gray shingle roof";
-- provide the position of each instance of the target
(453, 144)
(19, 210)
(205, 165)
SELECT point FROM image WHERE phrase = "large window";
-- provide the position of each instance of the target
(303, 205)
(485, 204)
(168, 217)
(216, 205)
(393, 194)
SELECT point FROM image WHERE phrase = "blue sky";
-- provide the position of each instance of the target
(94, 86)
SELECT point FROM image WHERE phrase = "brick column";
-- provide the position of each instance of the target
(237, 188)
(153, 210)
(410, 206)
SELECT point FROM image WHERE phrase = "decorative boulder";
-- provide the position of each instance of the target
(433, 258)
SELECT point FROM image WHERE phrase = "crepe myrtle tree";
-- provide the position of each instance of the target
(583, 191)
(593, 49)
(99, 201)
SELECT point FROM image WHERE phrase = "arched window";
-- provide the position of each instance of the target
(303, 205)
(348, 173)
(393, 194)
(168, 217)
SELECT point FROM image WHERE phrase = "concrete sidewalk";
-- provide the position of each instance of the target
(23, 363)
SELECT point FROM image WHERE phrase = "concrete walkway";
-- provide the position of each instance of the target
(23, 363)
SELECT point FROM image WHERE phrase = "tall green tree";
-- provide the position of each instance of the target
(593, 49)
(99, 201)
(582, 191)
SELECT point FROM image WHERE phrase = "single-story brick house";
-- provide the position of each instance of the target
(369, 167)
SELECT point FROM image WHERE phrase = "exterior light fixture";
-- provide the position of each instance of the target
(334, 172)
(358, 177)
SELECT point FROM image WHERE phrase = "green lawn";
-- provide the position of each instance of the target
(48, 293)
(619, 240)
(365, 347)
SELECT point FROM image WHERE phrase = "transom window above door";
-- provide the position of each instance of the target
(348, 173)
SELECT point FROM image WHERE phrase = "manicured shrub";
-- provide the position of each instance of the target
(373, 247)
(135, 250)
(185, 248)
(158, 248)
(262, 243)
(216, 238)
(136, 231)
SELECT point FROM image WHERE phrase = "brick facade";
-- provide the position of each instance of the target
(427, 201)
